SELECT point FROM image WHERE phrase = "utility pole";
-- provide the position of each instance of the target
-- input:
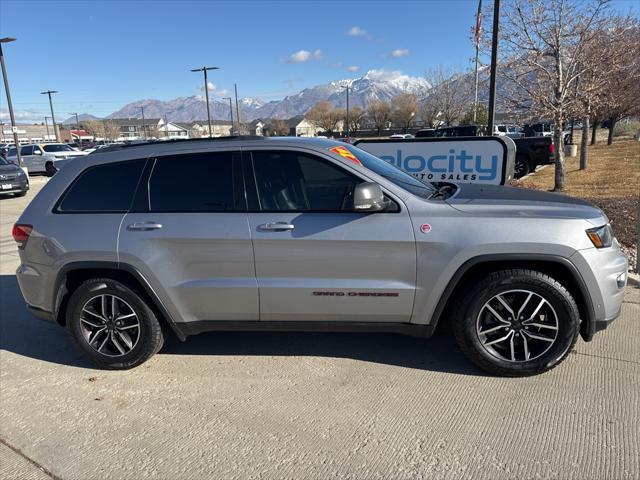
(56, 131)
(478, 34)
(206, 92)
(347, 88)
(494, 65)
(144, 129)
(235, 87)
(230, 112)
(166, 126)
(14, 127)
(77, 129)
(46, 124)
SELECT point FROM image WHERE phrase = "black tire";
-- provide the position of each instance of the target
(466, 318)
(150, 337)
(50, 169)
(522, 167)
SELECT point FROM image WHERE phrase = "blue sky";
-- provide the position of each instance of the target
(101, 55)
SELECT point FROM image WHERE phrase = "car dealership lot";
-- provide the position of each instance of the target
(285, 405)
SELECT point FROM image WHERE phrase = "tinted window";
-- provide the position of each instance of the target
(298, 182)
(28, 150)
(192, 183)
(104, 188)
(57, 148)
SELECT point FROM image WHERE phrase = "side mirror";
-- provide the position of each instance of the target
(368, 197)
(37, 152)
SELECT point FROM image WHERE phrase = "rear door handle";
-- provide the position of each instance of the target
(276, 226)
(144, 226)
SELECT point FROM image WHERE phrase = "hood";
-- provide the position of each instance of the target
(9, 168)
(522, 202)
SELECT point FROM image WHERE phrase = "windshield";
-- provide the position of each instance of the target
(57, 148)
(392, 173)
(5, 162)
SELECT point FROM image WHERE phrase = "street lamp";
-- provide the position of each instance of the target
(347, 89)
(206, 91)
(230, 112)
(14, 127)
(53, 117)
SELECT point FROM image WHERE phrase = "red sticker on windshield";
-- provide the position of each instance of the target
(344, 152)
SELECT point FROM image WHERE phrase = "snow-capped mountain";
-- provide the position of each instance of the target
(375, 84)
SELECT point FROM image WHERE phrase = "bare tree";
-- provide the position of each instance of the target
(357, 117)
(542, 45)
(111, 130)
(95, 128)
(430, 111)
(325, 116)
(278, 126)
(450, 94)
(405, 107)
(379, 112)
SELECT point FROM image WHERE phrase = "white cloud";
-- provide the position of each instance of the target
(385, 75)
(400, 52)
(213, 90)
(353, 68)
(356, 32)
(22, 116)
(302, 56)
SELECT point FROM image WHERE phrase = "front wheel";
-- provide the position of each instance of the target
(517, 323)
(50, 169)
(522, 167)
(113, 325)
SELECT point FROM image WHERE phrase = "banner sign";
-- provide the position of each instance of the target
(454, 159)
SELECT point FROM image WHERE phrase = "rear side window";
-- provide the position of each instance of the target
(193, 183)
(107, 188)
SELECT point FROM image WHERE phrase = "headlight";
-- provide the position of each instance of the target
(601, 237)
(21, 173)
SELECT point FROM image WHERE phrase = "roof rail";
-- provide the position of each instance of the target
(178, 140)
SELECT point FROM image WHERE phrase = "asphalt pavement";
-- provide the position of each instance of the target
(308, 405)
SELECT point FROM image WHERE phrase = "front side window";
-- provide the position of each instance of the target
(295, 181)
(57, 148)
(107, 188)
(193, 183)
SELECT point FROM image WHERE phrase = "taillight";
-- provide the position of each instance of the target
(552, 148)
(21, 233)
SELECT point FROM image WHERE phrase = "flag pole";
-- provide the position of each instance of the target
(477, 40)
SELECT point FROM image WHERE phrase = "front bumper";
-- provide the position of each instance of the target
(15, 185)
(605, 274)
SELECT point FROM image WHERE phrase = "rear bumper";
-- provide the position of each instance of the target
(41, 314)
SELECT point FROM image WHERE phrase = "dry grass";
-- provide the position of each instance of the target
(613, 171)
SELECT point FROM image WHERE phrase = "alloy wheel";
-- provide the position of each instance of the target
(517, 326)
(109, 325)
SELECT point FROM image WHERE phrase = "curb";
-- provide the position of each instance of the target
(633, 279)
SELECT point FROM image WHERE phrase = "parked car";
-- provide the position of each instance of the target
(402, 135)
(426, 133)
(45, 158)
(12, 179)
(308, 234)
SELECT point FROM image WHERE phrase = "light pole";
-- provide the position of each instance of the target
(77, 129)
(230, 112)
(347, 89)
(494, 66)
(46, 124)
(14, 127)
(53, 117)
(144, 129)
(235, 87)
(206, 92)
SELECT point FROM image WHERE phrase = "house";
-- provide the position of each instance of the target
(136, 128)
(305, 128)
(219, 128)
(174, 130)
(257, 127)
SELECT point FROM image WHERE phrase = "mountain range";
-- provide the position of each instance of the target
(375, 84)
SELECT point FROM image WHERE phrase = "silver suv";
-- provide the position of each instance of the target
(126, 246)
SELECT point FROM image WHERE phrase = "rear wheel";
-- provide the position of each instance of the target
(112, 325)
(522, 167)
(50, 169)
(517, 323)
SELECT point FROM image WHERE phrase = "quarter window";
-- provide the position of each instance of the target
(103, 188)
(192, 183)
(294, 181)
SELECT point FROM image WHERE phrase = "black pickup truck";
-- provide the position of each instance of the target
(530, 151)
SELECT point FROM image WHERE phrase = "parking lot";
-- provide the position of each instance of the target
(312, 405)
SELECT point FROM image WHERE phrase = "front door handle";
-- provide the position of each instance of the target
(276, 226)
(144, 226)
